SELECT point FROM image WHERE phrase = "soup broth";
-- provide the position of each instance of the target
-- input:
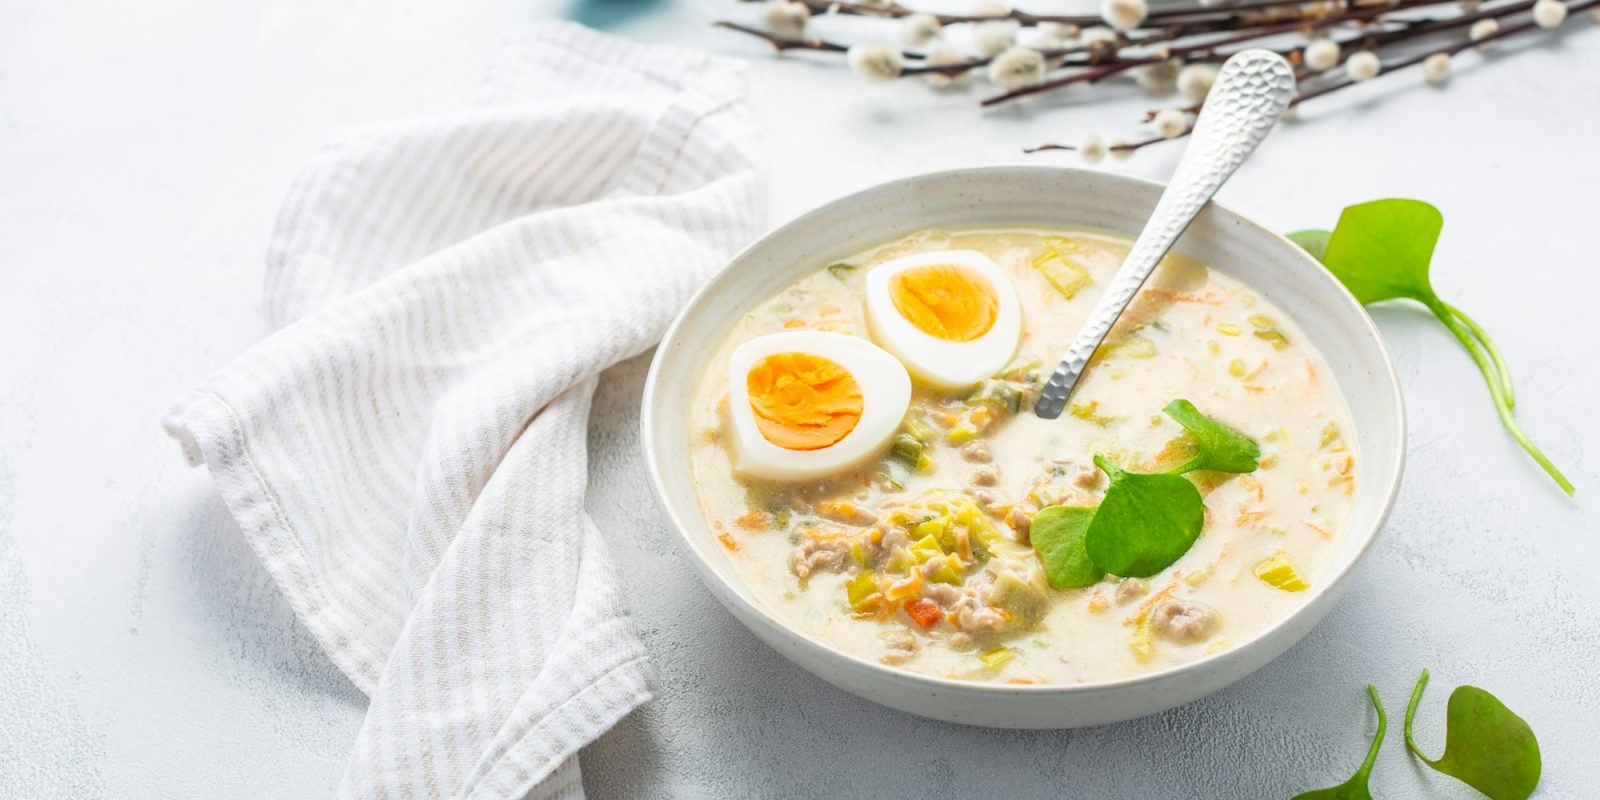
(846, 558)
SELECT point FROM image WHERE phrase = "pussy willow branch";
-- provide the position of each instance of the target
(1093, 54)
(1208, 48)
(782, 43)
(895, 10)
(1414, 29)
(1385, 69)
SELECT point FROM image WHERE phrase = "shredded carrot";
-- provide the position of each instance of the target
(1316, 528)
(1025, 681)
(1345, 464)
(794, 323)
(754, 520)
(1311, 372)
(1182, 297)
(728, 542)
(1151, 601)
(1249, 519)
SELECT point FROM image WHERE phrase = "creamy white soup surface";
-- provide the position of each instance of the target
(916, 552)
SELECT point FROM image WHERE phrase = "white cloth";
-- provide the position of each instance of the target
(406, 454)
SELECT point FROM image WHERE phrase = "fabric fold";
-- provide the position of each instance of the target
(406, 453)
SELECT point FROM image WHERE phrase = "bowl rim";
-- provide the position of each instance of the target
(1328, 590)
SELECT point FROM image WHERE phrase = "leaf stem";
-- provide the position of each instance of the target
(1494, 353)
(1411, 713)
(1377, 738)
(1442, 310)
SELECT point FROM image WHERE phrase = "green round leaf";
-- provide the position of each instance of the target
(1057, 534)
(1144, 524)
(1221, 447)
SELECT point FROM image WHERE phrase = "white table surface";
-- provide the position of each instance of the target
(144, 148)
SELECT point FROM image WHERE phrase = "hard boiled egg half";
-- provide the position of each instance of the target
(951, 316)
(805, 404)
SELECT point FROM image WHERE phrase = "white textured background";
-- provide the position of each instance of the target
(144, 654)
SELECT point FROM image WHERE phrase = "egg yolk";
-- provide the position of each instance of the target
(803, 401)
(944, 302)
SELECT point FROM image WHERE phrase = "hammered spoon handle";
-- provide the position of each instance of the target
(1250, 93)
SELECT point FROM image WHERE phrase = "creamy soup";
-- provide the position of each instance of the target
(891, 518)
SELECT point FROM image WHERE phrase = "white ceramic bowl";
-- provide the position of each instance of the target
(1027, 197)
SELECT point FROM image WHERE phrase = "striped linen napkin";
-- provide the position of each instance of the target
(406, 453)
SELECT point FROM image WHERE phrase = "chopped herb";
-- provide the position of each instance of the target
(1486, 745)
(1356, 787)
(841, 270)
(1221, 448)
(1381, 251)
(1058, 535)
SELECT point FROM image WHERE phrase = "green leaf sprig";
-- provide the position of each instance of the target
(1356, 787)
(1486, 745)
(1146, 521)
(1381, 251)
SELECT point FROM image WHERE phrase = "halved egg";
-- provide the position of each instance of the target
(806, 404)
(951, 316)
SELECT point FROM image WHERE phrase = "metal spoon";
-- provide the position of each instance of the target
(1251, 91)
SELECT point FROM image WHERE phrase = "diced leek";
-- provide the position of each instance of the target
(841, 270)
(949, 571)
(1331, 435)
(921, 429)
(1061, 243)
(1229, 329)
(961, 433)
(1237, 368)
(1131, 346)
(1261, 322)
(1278, 340)
(1278, 573)
(862, 590)
(1067, 276)
(997, 657)
(1000, 395)
(1025, 600)
(1087, 413)
(858, 554)
(1199, 576)
(926, 549)
(924, 464)
(978, 525)
(906, 450)
(1141, 643)
(901, 560)
(935, 527)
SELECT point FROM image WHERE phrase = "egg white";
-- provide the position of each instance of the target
(942, 363)
(885, 396)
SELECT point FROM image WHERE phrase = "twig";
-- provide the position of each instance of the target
(1300, 97)
(1090, 76)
